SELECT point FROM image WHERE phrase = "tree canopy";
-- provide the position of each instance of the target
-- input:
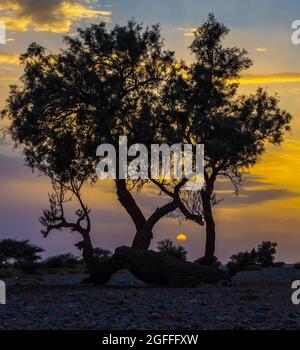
(19, 252)
(106, 84)
(202, 105)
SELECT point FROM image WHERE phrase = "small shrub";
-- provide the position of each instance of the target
(243, 259)
(278, 264)
(18, 252)
(9, 272)
(102, 254)
(29, 268)
(297, 266)
(61, 261)
(169, 248)
(213, 263)
(265, 253)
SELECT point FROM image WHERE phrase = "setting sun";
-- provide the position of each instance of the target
(181, 237)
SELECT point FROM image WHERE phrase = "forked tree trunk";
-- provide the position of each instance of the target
(210, 227)
(144, 227)
(130, 205)
(143, 236)
(100, 272)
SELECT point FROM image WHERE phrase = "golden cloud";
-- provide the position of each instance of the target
(8, 58)
(261, 49)
(270, 78)
(188, 31)
(55, 16)
(7, 78)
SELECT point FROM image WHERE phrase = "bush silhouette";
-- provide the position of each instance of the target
(61, 261)
(263, 255)
(102, 254)
(18, 252)
(167, 247)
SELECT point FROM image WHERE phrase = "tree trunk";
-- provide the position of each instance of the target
(87, 251)
(130, 205)
(163, 269)
(143, 237)
(100, 271)
(210, 244)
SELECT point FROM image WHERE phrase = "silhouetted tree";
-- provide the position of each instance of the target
(19, 252)
(100, 87)
(107, 84)
(203, 107)
(102, 254)
(243, 258)
(55, 218)
(168, 247)
(265, 253)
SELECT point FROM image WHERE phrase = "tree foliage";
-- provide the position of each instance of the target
(263, 255)
(103, 85)
(202, 106)
(106, 84)
(61, 261)
(19, 252)
(102, 254)
(168, 247)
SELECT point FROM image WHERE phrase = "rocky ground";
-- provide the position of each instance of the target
(256, 300)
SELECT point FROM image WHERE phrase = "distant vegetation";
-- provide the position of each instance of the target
(102, 254)
(18, 252)
(168, 247)
(263, 256)
(60, 261)
(297, 265)
(20, 256)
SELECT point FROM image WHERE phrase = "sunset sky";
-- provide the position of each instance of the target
(268, 207)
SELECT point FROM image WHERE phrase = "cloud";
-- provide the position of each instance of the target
(288, 77)
(187, 31)
(55, 16)
(254, 190)
(255, 197)
(261, 49)
(294, 91)
(8, 58)
(7, 78)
